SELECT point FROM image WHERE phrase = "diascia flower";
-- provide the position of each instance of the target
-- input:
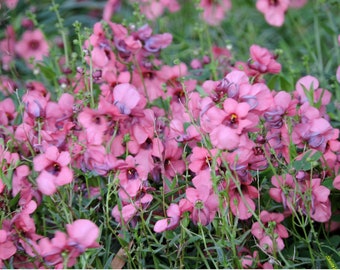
(270, 231)
(54, 170)
(32, 45)
(274, 11)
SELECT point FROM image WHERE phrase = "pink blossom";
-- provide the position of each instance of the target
(129, 210)
(214, 11)
(336, 182)
(202, 159)
(7, 48)
(7, 85)
(274, 231)
(284, 191)
(154, 9)
(110, 8)
(54, 170)
(126, 97)
(320, 207)
(204, 203)
(172, 220)
(242, 206)
(263, 60)
(7, 247)
(131, 178)
(338, 74)
(95, 124)
(7, 112)
(297, 3)
(274, 11)
(82, 234)
(11, 4)
(51, 249)
(32, 45)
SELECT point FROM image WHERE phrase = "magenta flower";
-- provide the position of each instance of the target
(338, 74)
(336, 182)
(82, 234)
(274, 11)
(226, 126)
(32, 45)
(51, 250)
(320, 205)
(54, 170)
(7, 247)
(130, 209)
(95, 124)
(214, 11)
(270, 232)
(242, 206)
(204, 203)
(126, 97)
(171, 222)
(201, 159)
(284, 191)
(7, 48)
(11, 4)
(131, 178)
(263, 60)
(154, 9)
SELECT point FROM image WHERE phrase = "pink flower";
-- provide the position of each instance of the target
(7, 247)
(227, 125)
(51, 250)
(32, 45)
(7, 85)
(320, 205)
(131, 178)
(126, 97)
(54, 170)
(110, 8)
(338, 74)
(284, 190)
(7, 47)
(242, 206)
(95, 124)
(263, 60)
(336, 182)
(154, 9)
(297, 3)
(274, 11)
(131, 209)
(272, 231)
(82, 234)
(204, 203)
(172, 159)
(11, 4)
(214, 11)
(171, 222)
(201, 159)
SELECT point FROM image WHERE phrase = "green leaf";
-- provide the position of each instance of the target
(328, 183)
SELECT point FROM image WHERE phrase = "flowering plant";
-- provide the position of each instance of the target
(168, 134)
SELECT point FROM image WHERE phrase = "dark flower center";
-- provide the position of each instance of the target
(273, 2)
(34, 44)
(231, 121)
(132, 174)
(54, 169)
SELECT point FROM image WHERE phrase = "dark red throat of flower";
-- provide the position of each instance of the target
(231, 121)
(54, 169)
(34, 44)
(131, 174)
